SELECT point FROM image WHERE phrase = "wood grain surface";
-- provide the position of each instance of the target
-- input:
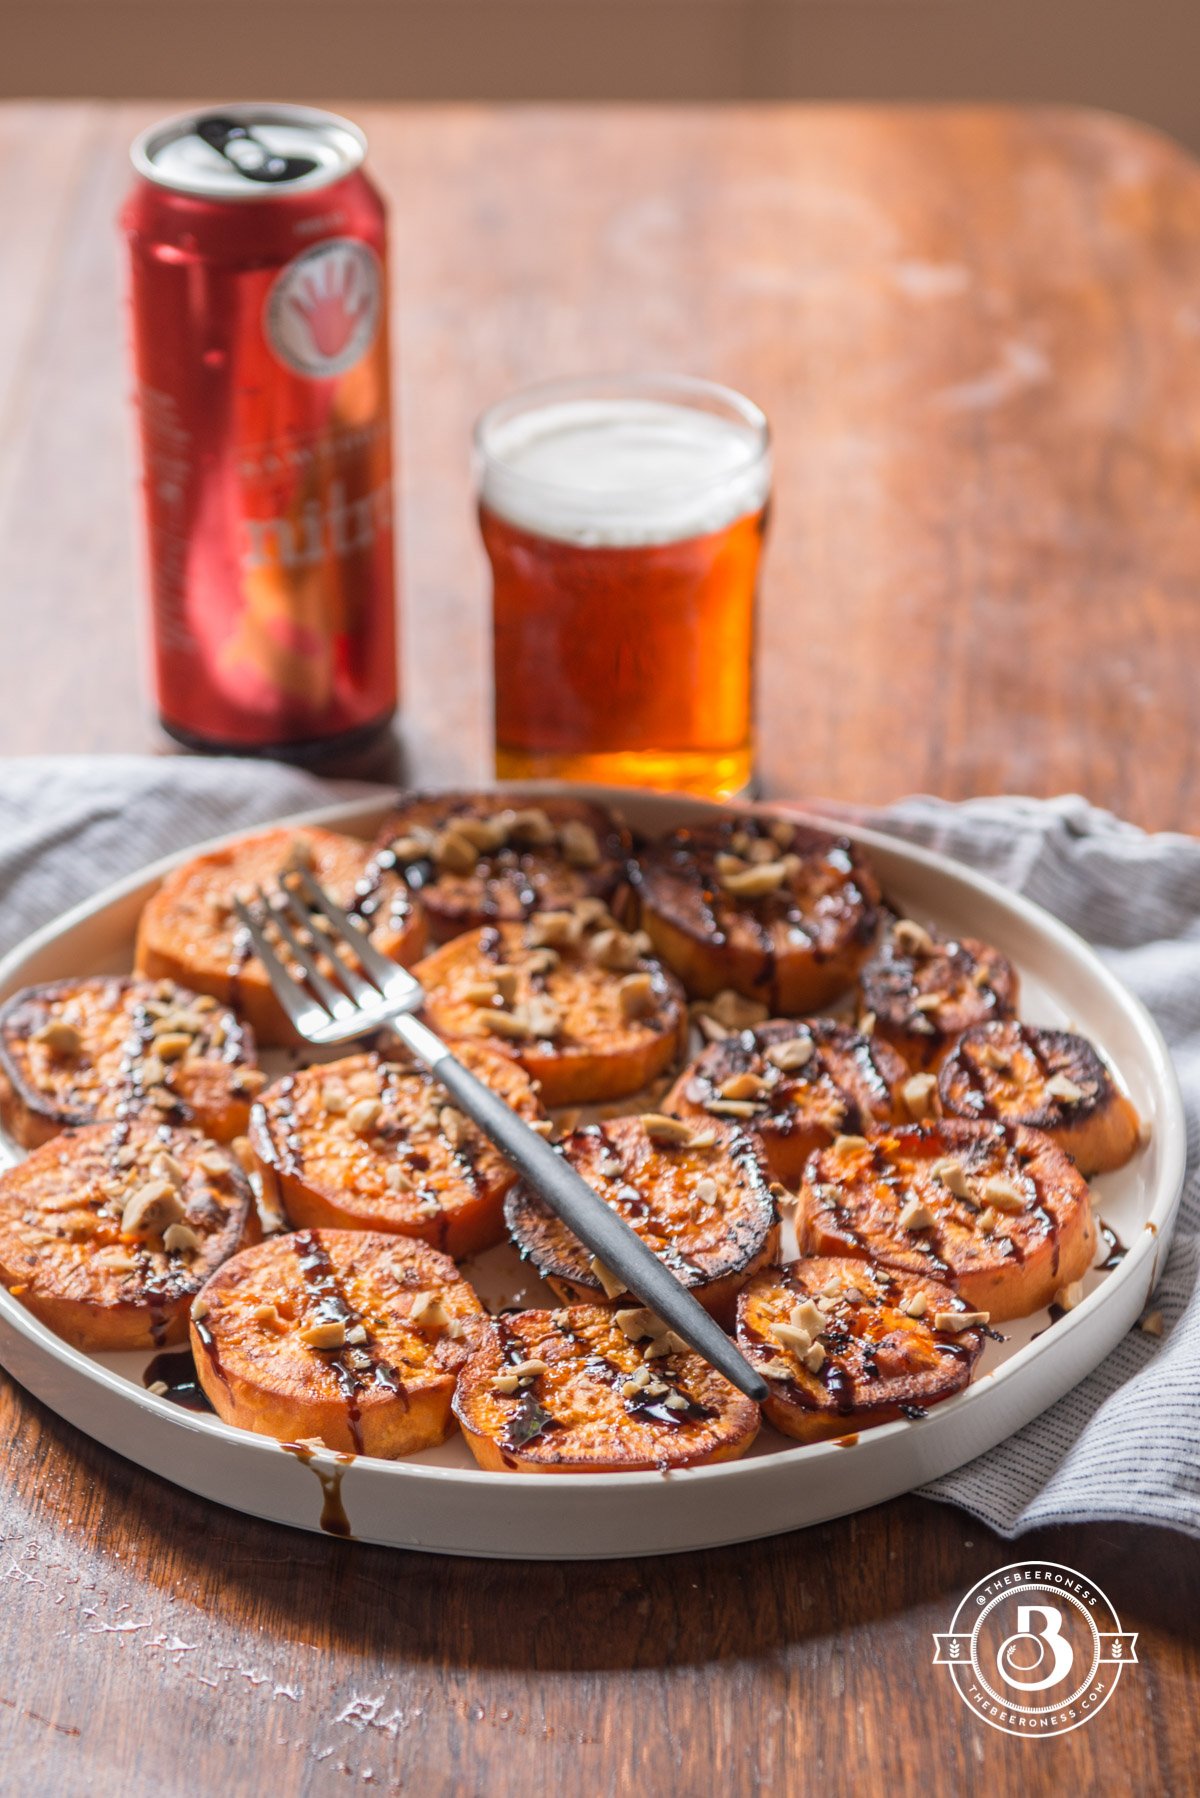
(976, 332)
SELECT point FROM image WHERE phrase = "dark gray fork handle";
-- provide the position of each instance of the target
(596, 1224)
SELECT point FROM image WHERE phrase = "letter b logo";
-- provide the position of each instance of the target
(1023, 1655)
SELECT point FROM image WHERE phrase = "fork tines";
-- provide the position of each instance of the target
(334, 987)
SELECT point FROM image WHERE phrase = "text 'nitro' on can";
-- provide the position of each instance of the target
(258, 293)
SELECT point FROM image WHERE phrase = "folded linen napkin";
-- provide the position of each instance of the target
(1126, 1442)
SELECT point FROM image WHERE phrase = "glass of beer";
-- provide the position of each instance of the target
(624, 522)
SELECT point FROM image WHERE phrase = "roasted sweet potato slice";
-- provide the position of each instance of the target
(373, 1143)
(845, 1344)
(795, 1086)
(593, 1390)
(996, 1210)
(108, 1232)
(774, 910)
(924, 989)
(346, 1337)
(1051, 1080)
(699, 1199)
(583, 1010)
(493, 858)
(82, 1051)
(189, 933)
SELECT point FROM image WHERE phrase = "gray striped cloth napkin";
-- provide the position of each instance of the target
(1126, 1442)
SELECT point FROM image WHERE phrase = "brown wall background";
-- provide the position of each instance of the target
(1136, 56)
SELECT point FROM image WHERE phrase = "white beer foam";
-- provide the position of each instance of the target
(622, 473)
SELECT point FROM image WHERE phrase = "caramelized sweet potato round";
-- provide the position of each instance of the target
(583, 1011)
(774, 910)
(924, 989)
(592, 1390)
(845, 1345)
(996, 1210)
(700, 1201)
(82, 1051)
(793, 1087)
(1051, 1080)
(494, 858)
(372, 1143)
(343, 1336)
(189, 932)
(107, 1233)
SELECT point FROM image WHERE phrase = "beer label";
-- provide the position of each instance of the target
(321, 315)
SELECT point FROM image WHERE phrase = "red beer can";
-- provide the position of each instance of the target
(258, 254)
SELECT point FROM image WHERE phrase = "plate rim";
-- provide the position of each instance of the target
(1170, 1131)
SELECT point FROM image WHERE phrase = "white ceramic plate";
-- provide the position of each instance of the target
(442, 1501)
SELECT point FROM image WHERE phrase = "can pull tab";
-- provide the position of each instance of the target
(249, 156)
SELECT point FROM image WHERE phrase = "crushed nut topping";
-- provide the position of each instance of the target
(615, 949)
(453, 1126)
(666, 1131)
(1070, 1295)
(637, 996)
(637, 1322)
(744, 1086)
(914, 1304)
(806, 1316)
(776, 1369)
(730, 1010)
(1003, 1194)
(553, 929)
(519, 1375)
(1151, 1324)
(848, 1145)
(918, 1093)
(153, 1206)
(611, 1284)
(796, 1053)
(912, 938)
(733, 1108)
(814, 1357)
(953, 1176)
(927, 1002)
(954, 1321)
(363, 1116)
(579, 845)
(754, 881)
(113, 1257)
(916, 1216)
(791, 1336)
(1064, 1089)
(180, 1239)
(429, 1312)
(60, 1037)
(327, 1334)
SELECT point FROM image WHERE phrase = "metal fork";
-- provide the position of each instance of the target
(379, 994)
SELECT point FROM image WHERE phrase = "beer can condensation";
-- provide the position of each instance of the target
(258, 293)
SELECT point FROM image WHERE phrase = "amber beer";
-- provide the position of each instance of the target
(624, 523)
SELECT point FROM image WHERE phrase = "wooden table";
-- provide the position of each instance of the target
(977, 334)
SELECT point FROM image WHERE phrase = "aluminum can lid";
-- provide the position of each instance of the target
(248, 152)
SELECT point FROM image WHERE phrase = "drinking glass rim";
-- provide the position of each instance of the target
(564, 388)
